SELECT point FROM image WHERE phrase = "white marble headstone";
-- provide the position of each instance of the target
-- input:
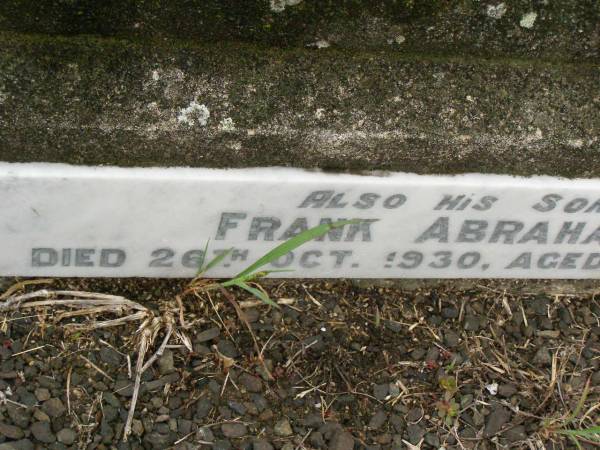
(60, 220)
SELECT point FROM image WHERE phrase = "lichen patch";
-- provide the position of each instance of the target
(280, 5)
(193, 114)
(528, 20)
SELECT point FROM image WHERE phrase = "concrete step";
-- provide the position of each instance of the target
(134, 102)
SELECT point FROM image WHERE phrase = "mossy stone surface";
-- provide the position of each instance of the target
(88, 100)
(565, 29)
(426, 87)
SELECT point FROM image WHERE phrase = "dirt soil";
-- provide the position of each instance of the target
(344, 366)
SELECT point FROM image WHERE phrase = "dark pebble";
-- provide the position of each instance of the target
(414, 415)
(450, 313)
(19, 416)
(261, 444)
(207, 335)
(432, 439)
(110, 357)
(415, 433)
(42, 432)
(250, 382)
(227, 348)
(507, 390)
(10, 431)
(496, 420)
(341, 440)
(222, 444)
(472, 323)
(378, 419)
(418, 354)
(515, 434)
(542, 357)
(451, 339)
(392, 325)
(67, 436)
(203, 408)
(233, 430)
(381, 391)
(23, 444)
(316, 439)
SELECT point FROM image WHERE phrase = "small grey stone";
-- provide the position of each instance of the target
(418, 353)
(11, 431)
(227, 348)
(205, 434)
(515, 434)
(207, 335)
(507, 390)
(472, 323)
(110, 413)
(159, 441)
(432, 439)
(26, 397)
(540, 306)
(23, 444)
(162, 382)
(250, 382)
(496, 420)
(317, 440)
(392, 325)
(451, 339)
(312, 420)
(377, 420)
(251, 315)
(341, 440)
(203, 407)
(283, 428)
(222, 444)
(184, 426)
(261, 444)
(415, 433)
(542, 357)
(414, 415)
(40, 415)
(237, 407)
(233, 430)
(381, 391)
(110, 357)
(67, 436)
(54, 407)
(41, 431)
(398, 423)
(42, 394)
(19, 416)
(166, 365)
(450, 313)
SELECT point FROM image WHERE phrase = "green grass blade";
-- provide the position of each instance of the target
(257, 293)
(216, 260)
(292, 244)
(201, 268)
(252, 276)
(591, 432)
(580, 403)
(576, 442)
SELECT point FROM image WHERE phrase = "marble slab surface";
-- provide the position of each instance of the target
(60, 220)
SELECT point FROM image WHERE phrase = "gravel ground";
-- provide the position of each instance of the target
(340, 367)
